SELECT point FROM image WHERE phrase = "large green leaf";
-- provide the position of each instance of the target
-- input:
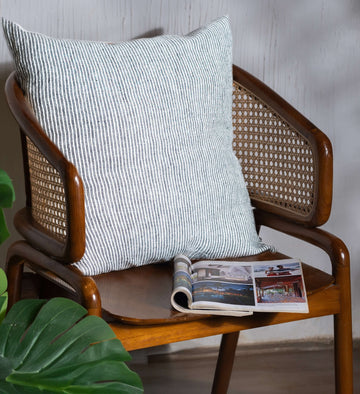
(7, 197)
(55, 347)
(3, 294)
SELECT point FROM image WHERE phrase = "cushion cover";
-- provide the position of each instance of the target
(148, 124)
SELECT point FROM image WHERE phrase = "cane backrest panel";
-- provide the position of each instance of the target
(277, 161)
(48, 204)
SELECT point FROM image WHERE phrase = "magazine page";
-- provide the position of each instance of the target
(280, 286)
(182, 297)
(267, 286)
(227, 285)
(236, 288)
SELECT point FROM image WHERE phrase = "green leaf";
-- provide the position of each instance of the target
(8, 388)
(3, 294)
(7, 193)
(3, 306)
(7, 197)
(16, 323)
(38, 347)
(3, 282)
(4, 232)
(55, 347)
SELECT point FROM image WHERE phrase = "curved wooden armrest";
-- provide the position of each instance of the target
(28, 123)
(332, 245)
(274, 126)
(65, 276)
(57, 166)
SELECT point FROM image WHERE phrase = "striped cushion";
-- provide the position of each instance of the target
(148, 124)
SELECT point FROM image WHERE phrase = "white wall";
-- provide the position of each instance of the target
(307, 51)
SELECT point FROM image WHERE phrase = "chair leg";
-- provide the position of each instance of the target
(343, 354)
(225, 363)
(343, 345)
(343, 323)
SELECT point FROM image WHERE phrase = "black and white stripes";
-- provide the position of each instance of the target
(148, 124)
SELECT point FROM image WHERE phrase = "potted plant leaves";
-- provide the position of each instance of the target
(55, 346)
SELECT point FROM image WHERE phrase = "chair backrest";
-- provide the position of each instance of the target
(277, 161)
(286, 161)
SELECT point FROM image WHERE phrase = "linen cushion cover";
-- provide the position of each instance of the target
(148, 124)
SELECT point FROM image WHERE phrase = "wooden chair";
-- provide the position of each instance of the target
(287, 164)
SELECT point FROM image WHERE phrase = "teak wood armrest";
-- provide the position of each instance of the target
(74, 246)
(332, 245)
(63, 275)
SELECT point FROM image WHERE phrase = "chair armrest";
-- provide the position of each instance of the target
(67, 277)
(332, 245)
(286, 160)
(54, 220)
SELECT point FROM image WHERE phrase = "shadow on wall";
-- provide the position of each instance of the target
(151, 33)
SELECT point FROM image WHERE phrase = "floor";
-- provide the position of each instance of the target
(285, 370)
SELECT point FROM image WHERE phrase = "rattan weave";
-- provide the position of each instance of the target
(276, 160)
(48, 204)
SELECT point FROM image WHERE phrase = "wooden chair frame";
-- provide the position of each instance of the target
(293, 197)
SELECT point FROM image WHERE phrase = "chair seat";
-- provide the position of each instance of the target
(141, 296)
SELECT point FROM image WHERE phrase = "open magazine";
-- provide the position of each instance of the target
(238, 288)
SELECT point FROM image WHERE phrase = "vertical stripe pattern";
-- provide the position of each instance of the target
(148, 124)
